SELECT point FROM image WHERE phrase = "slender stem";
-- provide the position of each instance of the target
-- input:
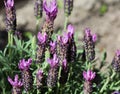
(66, 22)
(37, 25)
(59, 75)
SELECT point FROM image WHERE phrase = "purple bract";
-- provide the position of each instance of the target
(89, 75)
(50, 9)
(9, 3)
(53, 45)
(54, 61)
(25, 65)
(116, 92)
(118, 52)
(63, 39)
(40, 72)
(16, 82)
(41, 38)
(70, 30)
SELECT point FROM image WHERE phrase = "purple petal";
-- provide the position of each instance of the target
(118, 52)
(94, 37)
(64, 63)
(88, 32)
(10, 81)
(70, 30)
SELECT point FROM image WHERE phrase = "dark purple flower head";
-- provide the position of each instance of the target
(116, 92)
(89, 75)
(39, 72)
(25, 65)
(53, 62)
(16, 82)
(118, 53)
(53, 46)
(50, 9)
(41, 38)
(9, 3)
(88, 34)
(63, 39)
(70, 30)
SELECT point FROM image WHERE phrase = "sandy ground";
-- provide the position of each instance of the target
(85, 14)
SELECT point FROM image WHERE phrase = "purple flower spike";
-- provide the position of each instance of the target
(9, 3)
(41, 38)
(89, 75)
(53, 62)
(70, 30)
(16, 82)
(25, 65)
(50, 9)
(53, 45)
(118, 52)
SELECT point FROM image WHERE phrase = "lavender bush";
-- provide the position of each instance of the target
(50, 63)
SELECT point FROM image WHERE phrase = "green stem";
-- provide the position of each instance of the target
(37, 25)
(49, 91)
(59, 75)
(38, 92)
(70, 72)
(65, 24)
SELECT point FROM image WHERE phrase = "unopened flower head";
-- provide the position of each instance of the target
(68, 7)
(116, 92)
(54, 61)
(15, 82)
(89, 75)
(38, 8)
(25, 65)
(10, 15)
(50, 9)
(116, 61)
(41, 38)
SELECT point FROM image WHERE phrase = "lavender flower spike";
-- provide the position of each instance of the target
(16, 82)
(116, 61)
(24, 65)
(39, 78)
(9, 3)
(50, 9)
(41, 38)
(53, 62)
(89, 75)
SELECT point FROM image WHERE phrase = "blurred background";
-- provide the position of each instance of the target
(101, 16)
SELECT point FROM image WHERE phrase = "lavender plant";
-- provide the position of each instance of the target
(54, 64)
